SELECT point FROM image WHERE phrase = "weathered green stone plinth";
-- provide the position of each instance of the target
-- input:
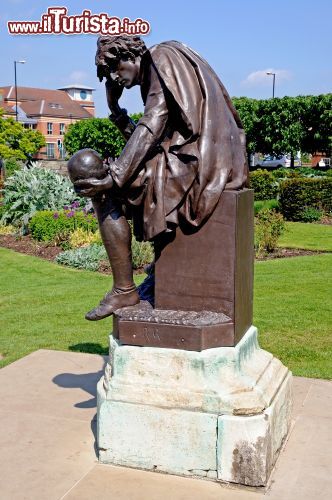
(222, 413)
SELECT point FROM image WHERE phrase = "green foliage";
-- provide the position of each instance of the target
(81, 237)
(311, 214)
(262, 204)
(56, 227)
(248, 110)
(16, 141)
(11, 166)
(298, 194)
(30, 190)
(264, 184)
(142, 253)
(99, 134)
(87, 258)
(269, 226)
(288, 124)
(281, 173)
(7, 229)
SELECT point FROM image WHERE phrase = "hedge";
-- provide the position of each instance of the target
(299, 194)
(264, 185)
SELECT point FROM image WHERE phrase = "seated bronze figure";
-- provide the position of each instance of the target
(186, 149)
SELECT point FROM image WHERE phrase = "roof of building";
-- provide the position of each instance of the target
(44, 102)
(76, 86)
(7, 109)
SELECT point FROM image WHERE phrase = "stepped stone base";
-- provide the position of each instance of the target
(221, 413)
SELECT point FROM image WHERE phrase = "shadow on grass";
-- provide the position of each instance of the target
(89, 347)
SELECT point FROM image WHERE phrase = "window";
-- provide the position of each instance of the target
(49, 128)
(62, 153)
(54, 105)
(30, 126)
(62, 128)
(50, 150)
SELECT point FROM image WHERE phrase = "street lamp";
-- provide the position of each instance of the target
(274, 81)
(16, 62)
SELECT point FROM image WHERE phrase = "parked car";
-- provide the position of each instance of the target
(280, 161)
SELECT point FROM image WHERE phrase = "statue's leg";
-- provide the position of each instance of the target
(116, 236)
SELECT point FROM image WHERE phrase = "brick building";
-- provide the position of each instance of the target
(49, 111)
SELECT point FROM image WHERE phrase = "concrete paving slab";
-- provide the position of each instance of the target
(42, 457)
(318, 402)
(301, 386)
(47, 429)
(304, 468)
(52, 383)
(105, 482)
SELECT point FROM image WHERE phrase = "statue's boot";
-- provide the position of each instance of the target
(116, 236)
(113, 300)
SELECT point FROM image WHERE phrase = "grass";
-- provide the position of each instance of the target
(293, 312)
(262, 204)
(307, 236)
(43, 306)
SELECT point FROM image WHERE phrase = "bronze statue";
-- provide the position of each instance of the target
(186, 149)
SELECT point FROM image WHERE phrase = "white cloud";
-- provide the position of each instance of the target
(261, 78)
(78, 76)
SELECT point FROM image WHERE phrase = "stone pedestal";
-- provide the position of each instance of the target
(222, 413)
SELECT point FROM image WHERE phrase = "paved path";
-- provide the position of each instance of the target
(47, 438)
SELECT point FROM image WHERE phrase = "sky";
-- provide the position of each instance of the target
(241, 39)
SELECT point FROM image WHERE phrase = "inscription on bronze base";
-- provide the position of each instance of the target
(194, 331)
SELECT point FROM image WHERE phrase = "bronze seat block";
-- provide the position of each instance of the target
(208, 271)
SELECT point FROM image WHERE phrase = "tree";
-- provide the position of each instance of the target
(248, 110)
(99, 134)
(282, 125)
(288, 124)
(16, 142)
(318, 132)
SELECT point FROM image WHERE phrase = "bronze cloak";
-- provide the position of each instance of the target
(200, 152)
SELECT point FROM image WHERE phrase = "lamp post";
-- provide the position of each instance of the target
(274, 81)
(16, 62)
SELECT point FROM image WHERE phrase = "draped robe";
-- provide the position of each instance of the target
(186, 149)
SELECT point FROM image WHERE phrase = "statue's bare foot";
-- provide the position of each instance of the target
(116, 299)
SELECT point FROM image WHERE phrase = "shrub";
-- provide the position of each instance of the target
(142, 253)
(269, 226)
(264, 185)
(310, 172)
(281, 173)
(261, 204)
(83, 258)
(311, 214)
(56, 227)
(81, 237)
(11, 166)
(30, 190)
(7, 229)
(298, 194)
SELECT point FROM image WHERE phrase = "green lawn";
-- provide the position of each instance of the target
(43, 305)
(307, 236)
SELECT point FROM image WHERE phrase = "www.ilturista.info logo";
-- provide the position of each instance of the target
(56, 22)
